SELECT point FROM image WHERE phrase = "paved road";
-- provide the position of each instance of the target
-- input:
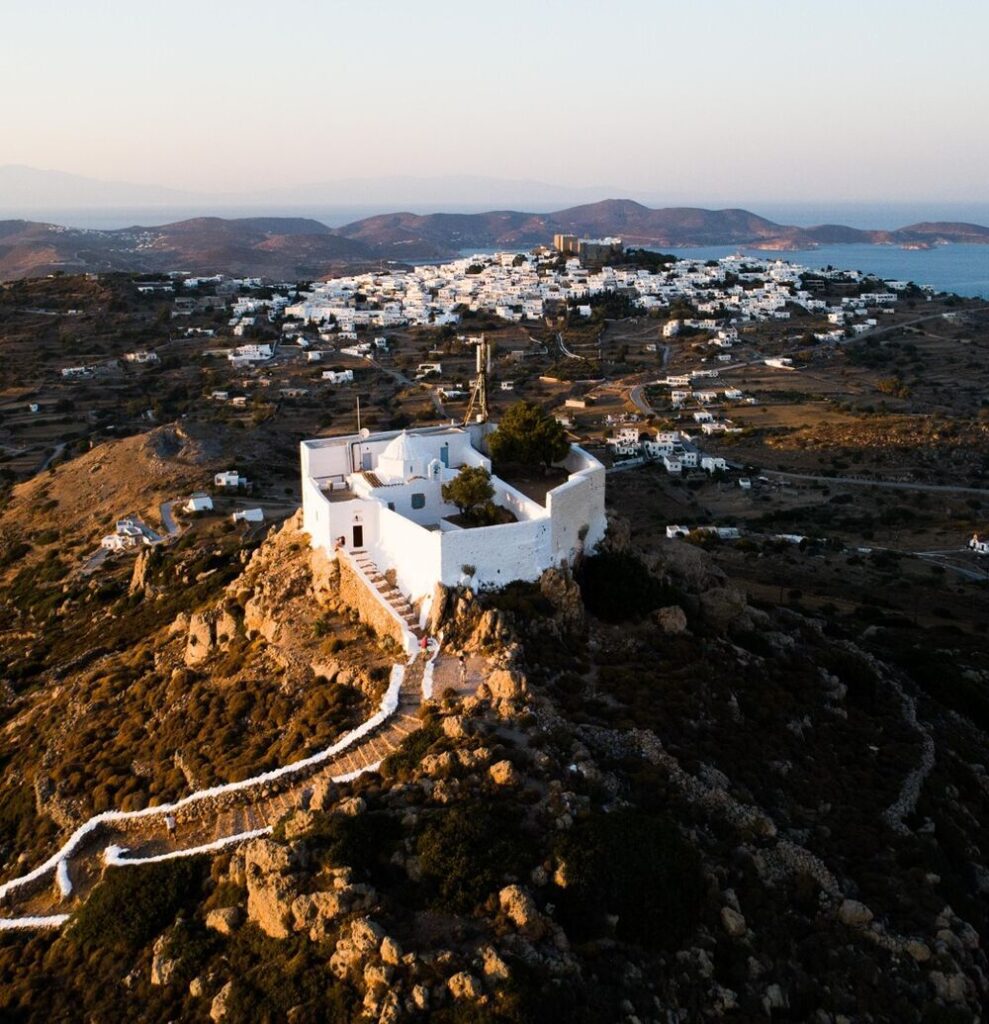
(167, 519)
(563, 347)
(637, 397)
(56, 453)
(897, 485)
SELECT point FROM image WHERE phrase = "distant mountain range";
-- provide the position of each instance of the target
(295, 247)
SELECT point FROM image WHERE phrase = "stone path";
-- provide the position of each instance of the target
(215, 819)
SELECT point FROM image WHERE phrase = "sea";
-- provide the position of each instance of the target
(962, 269)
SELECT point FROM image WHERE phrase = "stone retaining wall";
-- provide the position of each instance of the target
(360, 595)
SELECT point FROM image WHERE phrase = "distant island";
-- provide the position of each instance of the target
(297, 247)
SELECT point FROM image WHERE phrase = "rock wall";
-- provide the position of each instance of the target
(355, 592)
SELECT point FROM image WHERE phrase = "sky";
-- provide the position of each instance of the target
(706, 101)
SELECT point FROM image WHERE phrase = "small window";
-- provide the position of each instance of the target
(418, 500)
(391, 506)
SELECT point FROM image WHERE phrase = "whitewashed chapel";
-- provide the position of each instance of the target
(381, 494)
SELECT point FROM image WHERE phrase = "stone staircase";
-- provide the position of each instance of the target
(201, 822)
(392, 595)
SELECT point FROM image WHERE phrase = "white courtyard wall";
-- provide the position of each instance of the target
(499, 554)
(577, 503)
(315, 513)
(411, 550)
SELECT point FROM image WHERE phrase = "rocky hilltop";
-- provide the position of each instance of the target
(288, 248)
(655, 801)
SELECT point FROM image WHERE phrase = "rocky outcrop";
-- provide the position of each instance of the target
(162, 966)
(272, 886)
(561, 590)
(201, 638)
(504, 684)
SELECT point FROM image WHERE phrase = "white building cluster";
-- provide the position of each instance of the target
(518, 286)
(674, 448)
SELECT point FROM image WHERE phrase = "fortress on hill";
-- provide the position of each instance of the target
(380, 495)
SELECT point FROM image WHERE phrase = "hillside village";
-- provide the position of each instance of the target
(519, 286)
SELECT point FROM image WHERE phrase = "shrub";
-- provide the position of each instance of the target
(465, 851)
(133, 904)
(404, 760)
(617, 587)
(634, 865)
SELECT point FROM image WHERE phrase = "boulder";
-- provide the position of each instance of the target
(200, 638)
(312, 911)
(563, 593)
(298, 823)
(454, 726)
(324, 794)
(366, 935)
(488, 630)
(139, 576)
(391, 951)
(464, 986)
(724, 608)
(520, 908)
(227, 628)
(363, 938)
(352, 806)
(271, 890)
(495, 969)
(438, 609)
(920, 951)
(733, 922)
(420, 997)
(505, 685)
(225, 920)
(503, 773)
(951, 988)
(162, 966)
(854, 914)
(672, 619)
(218, 1008)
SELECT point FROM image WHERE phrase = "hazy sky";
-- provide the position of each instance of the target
(720, 99)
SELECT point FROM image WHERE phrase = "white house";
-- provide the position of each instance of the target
(339, 376)
(381, 495)
(199, 502)
(250, 354)
(711, 463)
(231, 479)
(979, 544)
(127, 534)
(248, 515)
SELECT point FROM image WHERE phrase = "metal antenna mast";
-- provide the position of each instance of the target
(479, 386)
